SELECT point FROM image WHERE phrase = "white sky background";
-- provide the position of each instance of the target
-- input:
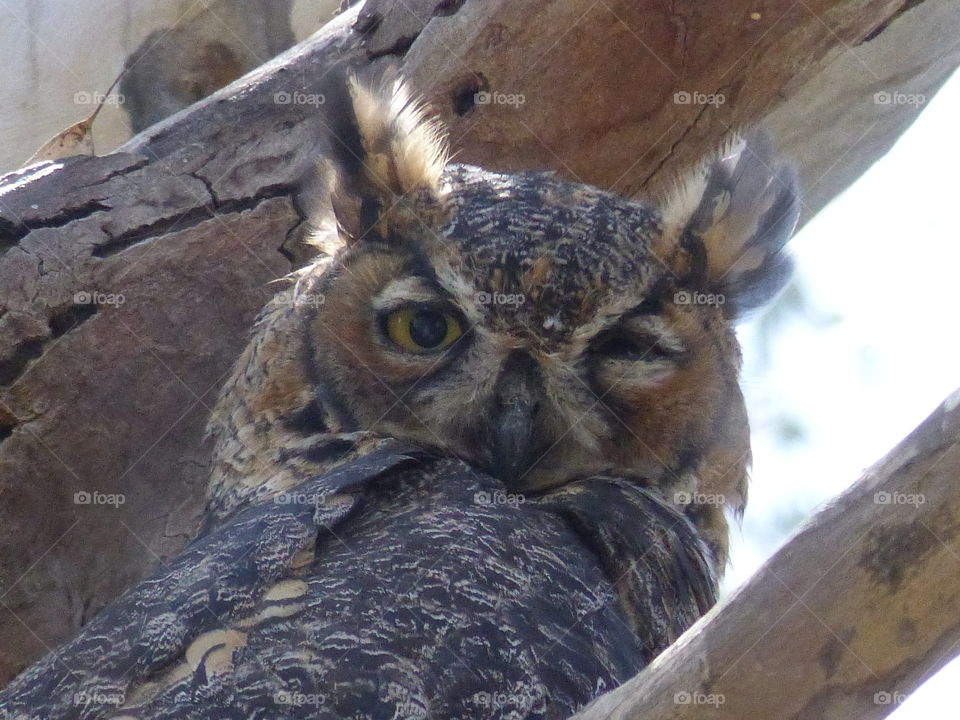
(876, 352)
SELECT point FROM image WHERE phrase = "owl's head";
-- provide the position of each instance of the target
(540, 329)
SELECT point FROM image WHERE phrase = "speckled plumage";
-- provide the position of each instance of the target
(391, 583)
(500, 526)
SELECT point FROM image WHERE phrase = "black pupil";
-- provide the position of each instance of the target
(428, 328)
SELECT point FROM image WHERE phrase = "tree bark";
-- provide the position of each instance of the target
(857, 609)
(127, 282)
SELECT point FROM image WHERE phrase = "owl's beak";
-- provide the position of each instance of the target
(514, 445)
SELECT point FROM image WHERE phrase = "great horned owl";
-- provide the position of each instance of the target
(568, 332)
(472, 465)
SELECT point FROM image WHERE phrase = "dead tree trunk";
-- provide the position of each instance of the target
(127, 282)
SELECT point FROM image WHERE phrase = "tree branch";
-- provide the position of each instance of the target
(856, 610)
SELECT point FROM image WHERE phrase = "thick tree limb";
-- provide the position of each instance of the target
(850, 616)
(193, 218)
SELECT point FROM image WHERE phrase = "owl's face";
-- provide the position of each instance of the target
(541, 330)
(534, 333)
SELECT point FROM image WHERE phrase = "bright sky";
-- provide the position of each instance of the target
(878, 352)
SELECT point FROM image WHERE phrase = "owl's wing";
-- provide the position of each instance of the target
(665, 574)
(398, 585)
(184, 610)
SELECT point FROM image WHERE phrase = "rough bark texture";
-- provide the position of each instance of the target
(855, 612)
(193, 218)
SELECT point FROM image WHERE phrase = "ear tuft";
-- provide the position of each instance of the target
(733, 217)
(384, 153)
(406, 150)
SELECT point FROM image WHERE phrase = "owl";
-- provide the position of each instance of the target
(475, 462)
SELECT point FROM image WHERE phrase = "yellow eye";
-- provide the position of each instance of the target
(423, 329)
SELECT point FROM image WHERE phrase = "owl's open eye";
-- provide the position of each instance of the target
(422, 329)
